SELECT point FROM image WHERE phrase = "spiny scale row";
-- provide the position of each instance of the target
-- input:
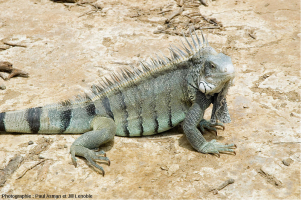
(127, 76)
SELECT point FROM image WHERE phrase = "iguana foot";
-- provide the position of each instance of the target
(215, 147)
(104, 130)
(204, 124)
(90, 155)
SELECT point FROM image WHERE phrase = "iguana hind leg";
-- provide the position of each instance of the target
(103, 131)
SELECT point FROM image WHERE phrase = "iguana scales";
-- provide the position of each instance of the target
(141, 101)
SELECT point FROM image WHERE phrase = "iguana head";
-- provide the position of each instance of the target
(216, 72)
(212, 73)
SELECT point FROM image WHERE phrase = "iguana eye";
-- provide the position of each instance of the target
(212, 65)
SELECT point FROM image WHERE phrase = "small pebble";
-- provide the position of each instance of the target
(160, 28)
(287, 161)
(30, 142)
(2, 87)
(204, 2)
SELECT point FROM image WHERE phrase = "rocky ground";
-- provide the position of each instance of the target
(66, 47)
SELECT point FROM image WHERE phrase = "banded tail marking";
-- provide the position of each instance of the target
(2, 123)
(33, 116)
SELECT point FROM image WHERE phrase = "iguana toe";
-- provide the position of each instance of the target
(204, 124)
(101, 153)
(73, 158)
(91, 161)
(90, 155)
(215, 147)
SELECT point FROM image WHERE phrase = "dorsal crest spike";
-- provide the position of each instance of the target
(108, 81)
(96, 88)
(185, 48)
(173, 54)
(101, 84)
(100, 88)
(180, 51)
(86, 96)
(176, 56)
(115, 76)
(207, 43)
(154, 61)
(124, 74)
(191, 47)
(166, 58)
(161, 61)
(145, 68)
(129, 73)
(204, 41)
(199, 42)
(194, 43)
(136, 70)
(150, 65)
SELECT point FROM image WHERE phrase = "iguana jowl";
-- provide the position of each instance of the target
(138, 102)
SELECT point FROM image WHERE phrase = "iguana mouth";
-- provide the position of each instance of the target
(210, 85)
(206, 87)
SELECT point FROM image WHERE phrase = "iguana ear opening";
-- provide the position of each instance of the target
(220, 109)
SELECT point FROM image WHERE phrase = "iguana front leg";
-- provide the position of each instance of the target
(195, 137)
(103, 131)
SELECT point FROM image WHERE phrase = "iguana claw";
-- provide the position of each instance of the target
(204, 124)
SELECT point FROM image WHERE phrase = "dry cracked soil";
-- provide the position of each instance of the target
(66, 47)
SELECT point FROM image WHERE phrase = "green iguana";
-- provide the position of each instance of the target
(142, 101)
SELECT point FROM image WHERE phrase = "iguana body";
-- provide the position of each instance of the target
(140, 102)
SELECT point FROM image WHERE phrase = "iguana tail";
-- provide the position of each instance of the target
(49, 119)
(21, 121)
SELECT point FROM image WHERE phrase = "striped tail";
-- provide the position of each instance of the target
(21, 121)
(49, 119)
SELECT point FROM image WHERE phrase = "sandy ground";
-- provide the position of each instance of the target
(67, 47)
